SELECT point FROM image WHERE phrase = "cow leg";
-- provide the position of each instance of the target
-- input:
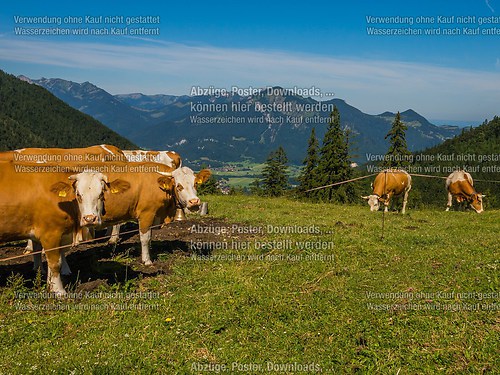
(386, 205)
(83, 234)
(50, 241)
(65, 270)
(115, 235)
(405, 200)
(145, 234)
(54, 267)
(145, 243)
(450, 201)
(37, 257)
(29, 247)
(37, 260)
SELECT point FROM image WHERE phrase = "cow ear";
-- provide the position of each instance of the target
(165, 183)
(61, 189)
(202, 176)
(118, 186)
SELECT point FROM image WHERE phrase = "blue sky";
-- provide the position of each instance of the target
(263, 43)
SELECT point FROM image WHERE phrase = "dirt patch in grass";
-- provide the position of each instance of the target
(99, 264)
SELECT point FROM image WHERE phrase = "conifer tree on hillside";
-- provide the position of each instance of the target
(275, 174)
(334, 164)
(398, 155)
(307, 178)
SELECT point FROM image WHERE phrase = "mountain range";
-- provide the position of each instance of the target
(221, 128)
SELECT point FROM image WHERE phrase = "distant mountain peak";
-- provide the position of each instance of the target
(25, 79)
(261, 121)
(387, 114)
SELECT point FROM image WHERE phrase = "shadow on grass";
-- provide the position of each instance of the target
(102, 264)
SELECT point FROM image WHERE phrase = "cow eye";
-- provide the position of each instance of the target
(180, 187)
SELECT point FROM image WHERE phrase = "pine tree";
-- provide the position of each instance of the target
(398, 155)
(275, 173)
(334, 164)
(307, 178)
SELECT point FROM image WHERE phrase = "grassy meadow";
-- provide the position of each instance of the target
(327, 295)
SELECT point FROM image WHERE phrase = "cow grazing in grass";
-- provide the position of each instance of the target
(48, 207)
(460, 186)
(389, 183)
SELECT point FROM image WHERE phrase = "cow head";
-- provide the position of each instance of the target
(88, 188)
(373, 201)
(476, 202)
(186, 182)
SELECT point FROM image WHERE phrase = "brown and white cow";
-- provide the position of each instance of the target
(169, 158)
(46, 205)
(146, 193)
(460, 186)
(99, 153)
(387, 184)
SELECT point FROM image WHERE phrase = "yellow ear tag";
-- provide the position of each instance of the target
(62, 193)
(114, 190)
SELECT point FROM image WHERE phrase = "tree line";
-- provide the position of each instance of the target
(327, 164)
(331, 162)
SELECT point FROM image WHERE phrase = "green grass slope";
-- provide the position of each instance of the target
(337, 298)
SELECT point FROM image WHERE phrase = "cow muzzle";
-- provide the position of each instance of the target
(90, 220)
(194, 204)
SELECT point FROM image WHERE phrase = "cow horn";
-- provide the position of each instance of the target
(72, 177)
(366, 197)
(166, 174)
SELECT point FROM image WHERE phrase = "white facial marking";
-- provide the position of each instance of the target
(373, 202)
(89, 188)
(185, 188)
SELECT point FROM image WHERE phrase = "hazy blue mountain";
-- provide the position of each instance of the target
(95, 102)
(233, 127)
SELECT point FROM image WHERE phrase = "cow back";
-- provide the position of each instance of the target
(391, 181)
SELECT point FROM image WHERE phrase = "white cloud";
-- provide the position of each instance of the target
(371, 85)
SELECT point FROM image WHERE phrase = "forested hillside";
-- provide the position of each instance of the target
(30, 116)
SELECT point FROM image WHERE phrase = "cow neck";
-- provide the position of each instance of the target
(469, 196)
